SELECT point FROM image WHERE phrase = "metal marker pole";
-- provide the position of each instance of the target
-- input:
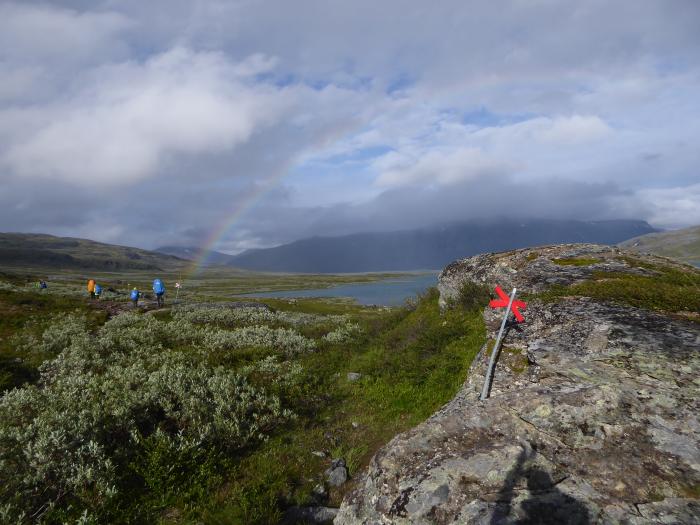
(492, 361)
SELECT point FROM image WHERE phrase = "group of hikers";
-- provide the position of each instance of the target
(95, 290)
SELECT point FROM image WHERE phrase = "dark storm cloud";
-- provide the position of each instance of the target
(411, 207)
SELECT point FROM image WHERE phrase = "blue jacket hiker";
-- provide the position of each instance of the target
(159, 290)
(135, 296)
(98, 291)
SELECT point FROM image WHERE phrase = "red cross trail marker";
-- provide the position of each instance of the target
(511, 304)
(504, 302)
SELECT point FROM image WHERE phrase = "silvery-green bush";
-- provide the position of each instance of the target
(69, 439)
(130, 331)
(226, 316)
(343, 334)
(283, 374)
(288, 341)
(4, 285)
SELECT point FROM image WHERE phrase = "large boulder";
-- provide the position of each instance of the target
(593, 415)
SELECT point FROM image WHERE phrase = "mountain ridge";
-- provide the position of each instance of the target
(44, 250)
(429, 248)
(683, 244)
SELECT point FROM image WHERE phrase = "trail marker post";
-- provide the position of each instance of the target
(511, 304)
(177, 290)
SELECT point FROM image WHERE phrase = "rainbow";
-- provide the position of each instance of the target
(219, 232)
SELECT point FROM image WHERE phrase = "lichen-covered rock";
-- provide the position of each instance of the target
(535, 269)
(594, 415)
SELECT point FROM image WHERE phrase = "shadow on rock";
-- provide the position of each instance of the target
(545, 505)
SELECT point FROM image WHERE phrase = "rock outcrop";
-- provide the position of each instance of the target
(593, 416)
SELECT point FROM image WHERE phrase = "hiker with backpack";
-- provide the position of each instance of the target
(135, 294)
(98, 291)
(159, 290)
(91, 288)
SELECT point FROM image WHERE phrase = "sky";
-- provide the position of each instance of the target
(254, 123)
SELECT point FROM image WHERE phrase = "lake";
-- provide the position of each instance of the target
(389, 292)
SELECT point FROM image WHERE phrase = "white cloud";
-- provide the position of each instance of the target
(673, 207)
(438, 167)
(34, 33)
(576, 129)
(121, 125)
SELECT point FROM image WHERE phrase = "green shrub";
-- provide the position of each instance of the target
(176, 471)
(343, 334)
(572, 261)
(107, 399)
(235, 317)
(671, 290)
(472, 296)
(282, 339)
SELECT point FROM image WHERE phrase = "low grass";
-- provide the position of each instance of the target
(412, 361)
(669, 290)
(580, 261)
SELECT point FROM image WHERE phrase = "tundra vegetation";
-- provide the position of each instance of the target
(213, 414)
(208, 412)
(669, 289)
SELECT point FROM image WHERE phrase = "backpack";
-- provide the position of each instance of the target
(98, 289)
(158, 286)
(91, 285)
(134, 295)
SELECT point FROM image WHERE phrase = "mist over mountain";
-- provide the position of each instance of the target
(430, 248)
(190, 253)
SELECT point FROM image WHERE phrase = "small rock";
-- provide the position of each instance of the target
(337, 476)
(355, 424)
(319, 454)
(353, 376)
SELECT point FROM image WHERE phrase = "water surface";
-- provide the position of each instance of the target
(389, 292)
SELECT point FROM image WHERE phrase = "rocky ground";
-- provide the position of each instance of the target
(593, 415)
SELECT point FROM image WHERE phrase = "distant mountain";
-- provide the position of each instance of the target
(430, 248)
(683, 245)
(189, 253)
(47, 251)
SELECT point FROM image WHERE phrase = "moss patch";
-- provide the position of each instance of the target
(671, 290)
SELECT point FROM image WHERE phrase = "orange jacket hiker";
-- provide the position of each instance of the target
(91, 286)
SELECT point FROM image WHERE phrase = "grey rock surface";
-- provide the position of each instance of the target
(354, 376)
(310, 515)
(594, 414)
(532, 270)
(337, 474)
